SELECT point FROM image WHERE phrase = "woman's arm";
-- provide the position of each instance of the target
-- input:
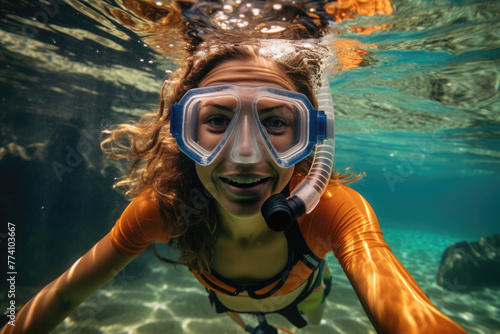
(58, 299)
(346, 224)
(390, 296)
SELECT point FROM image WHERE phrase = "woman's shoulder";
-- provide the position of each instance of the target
(337, 196)
(146, 202)
(340, 211)
(140, 224)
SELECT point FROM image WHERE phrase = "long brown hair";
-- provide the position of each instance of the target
(157, 163)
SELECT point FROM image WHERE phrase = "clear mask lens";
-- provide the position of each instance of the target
(254, 122)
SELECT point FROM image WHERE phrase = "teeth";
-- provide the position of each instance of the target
(243, 180)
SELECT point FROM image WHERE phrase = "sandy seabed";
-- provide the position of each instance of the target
(152, 298)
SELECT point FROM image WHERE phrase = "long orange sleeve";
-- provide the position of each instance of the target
(139, 225)
(345, 223)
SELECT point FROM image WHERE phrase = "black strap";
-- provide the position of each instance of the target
(300, 247)
(290, 312)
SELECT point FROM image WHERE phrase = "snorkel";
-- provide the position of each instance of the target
(278, 211)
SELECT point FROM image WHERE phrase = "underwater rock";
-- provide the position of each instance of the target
(467, 266)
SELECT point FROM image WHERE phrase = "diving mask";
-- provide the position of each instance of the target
(247, 123)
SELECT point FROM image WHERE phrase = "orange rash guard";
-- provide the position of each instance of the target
(342, 222)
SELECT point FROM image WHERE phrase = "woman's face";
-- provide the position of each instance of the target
(240, 189)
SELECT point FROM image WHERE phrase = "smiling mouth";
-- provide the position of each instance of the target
(243, 182)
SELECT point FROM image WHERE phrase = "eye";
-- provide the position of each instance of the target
(215, 113)
(217, 123)
(274, 125)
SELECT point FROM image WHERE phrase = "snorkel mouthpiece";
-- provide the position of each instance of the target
(279, 212)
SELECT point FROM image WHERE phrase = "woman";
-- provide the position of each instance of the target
(227, 244)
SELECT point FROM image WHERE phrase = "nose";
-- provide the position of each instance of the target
(245, 148)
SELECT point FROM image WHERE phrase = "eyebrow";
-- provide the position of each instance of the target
(269, 109)
(218, 106)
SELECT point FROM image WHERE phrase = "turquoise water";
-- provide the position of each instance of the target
(420, 115)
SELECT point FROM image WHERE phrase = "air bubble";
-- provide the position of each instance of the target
(221, 16)
(256, 11)
(242, 24)
(272, 29)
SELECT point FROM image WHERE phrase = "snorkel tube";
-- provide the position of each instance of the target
(278, 211)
